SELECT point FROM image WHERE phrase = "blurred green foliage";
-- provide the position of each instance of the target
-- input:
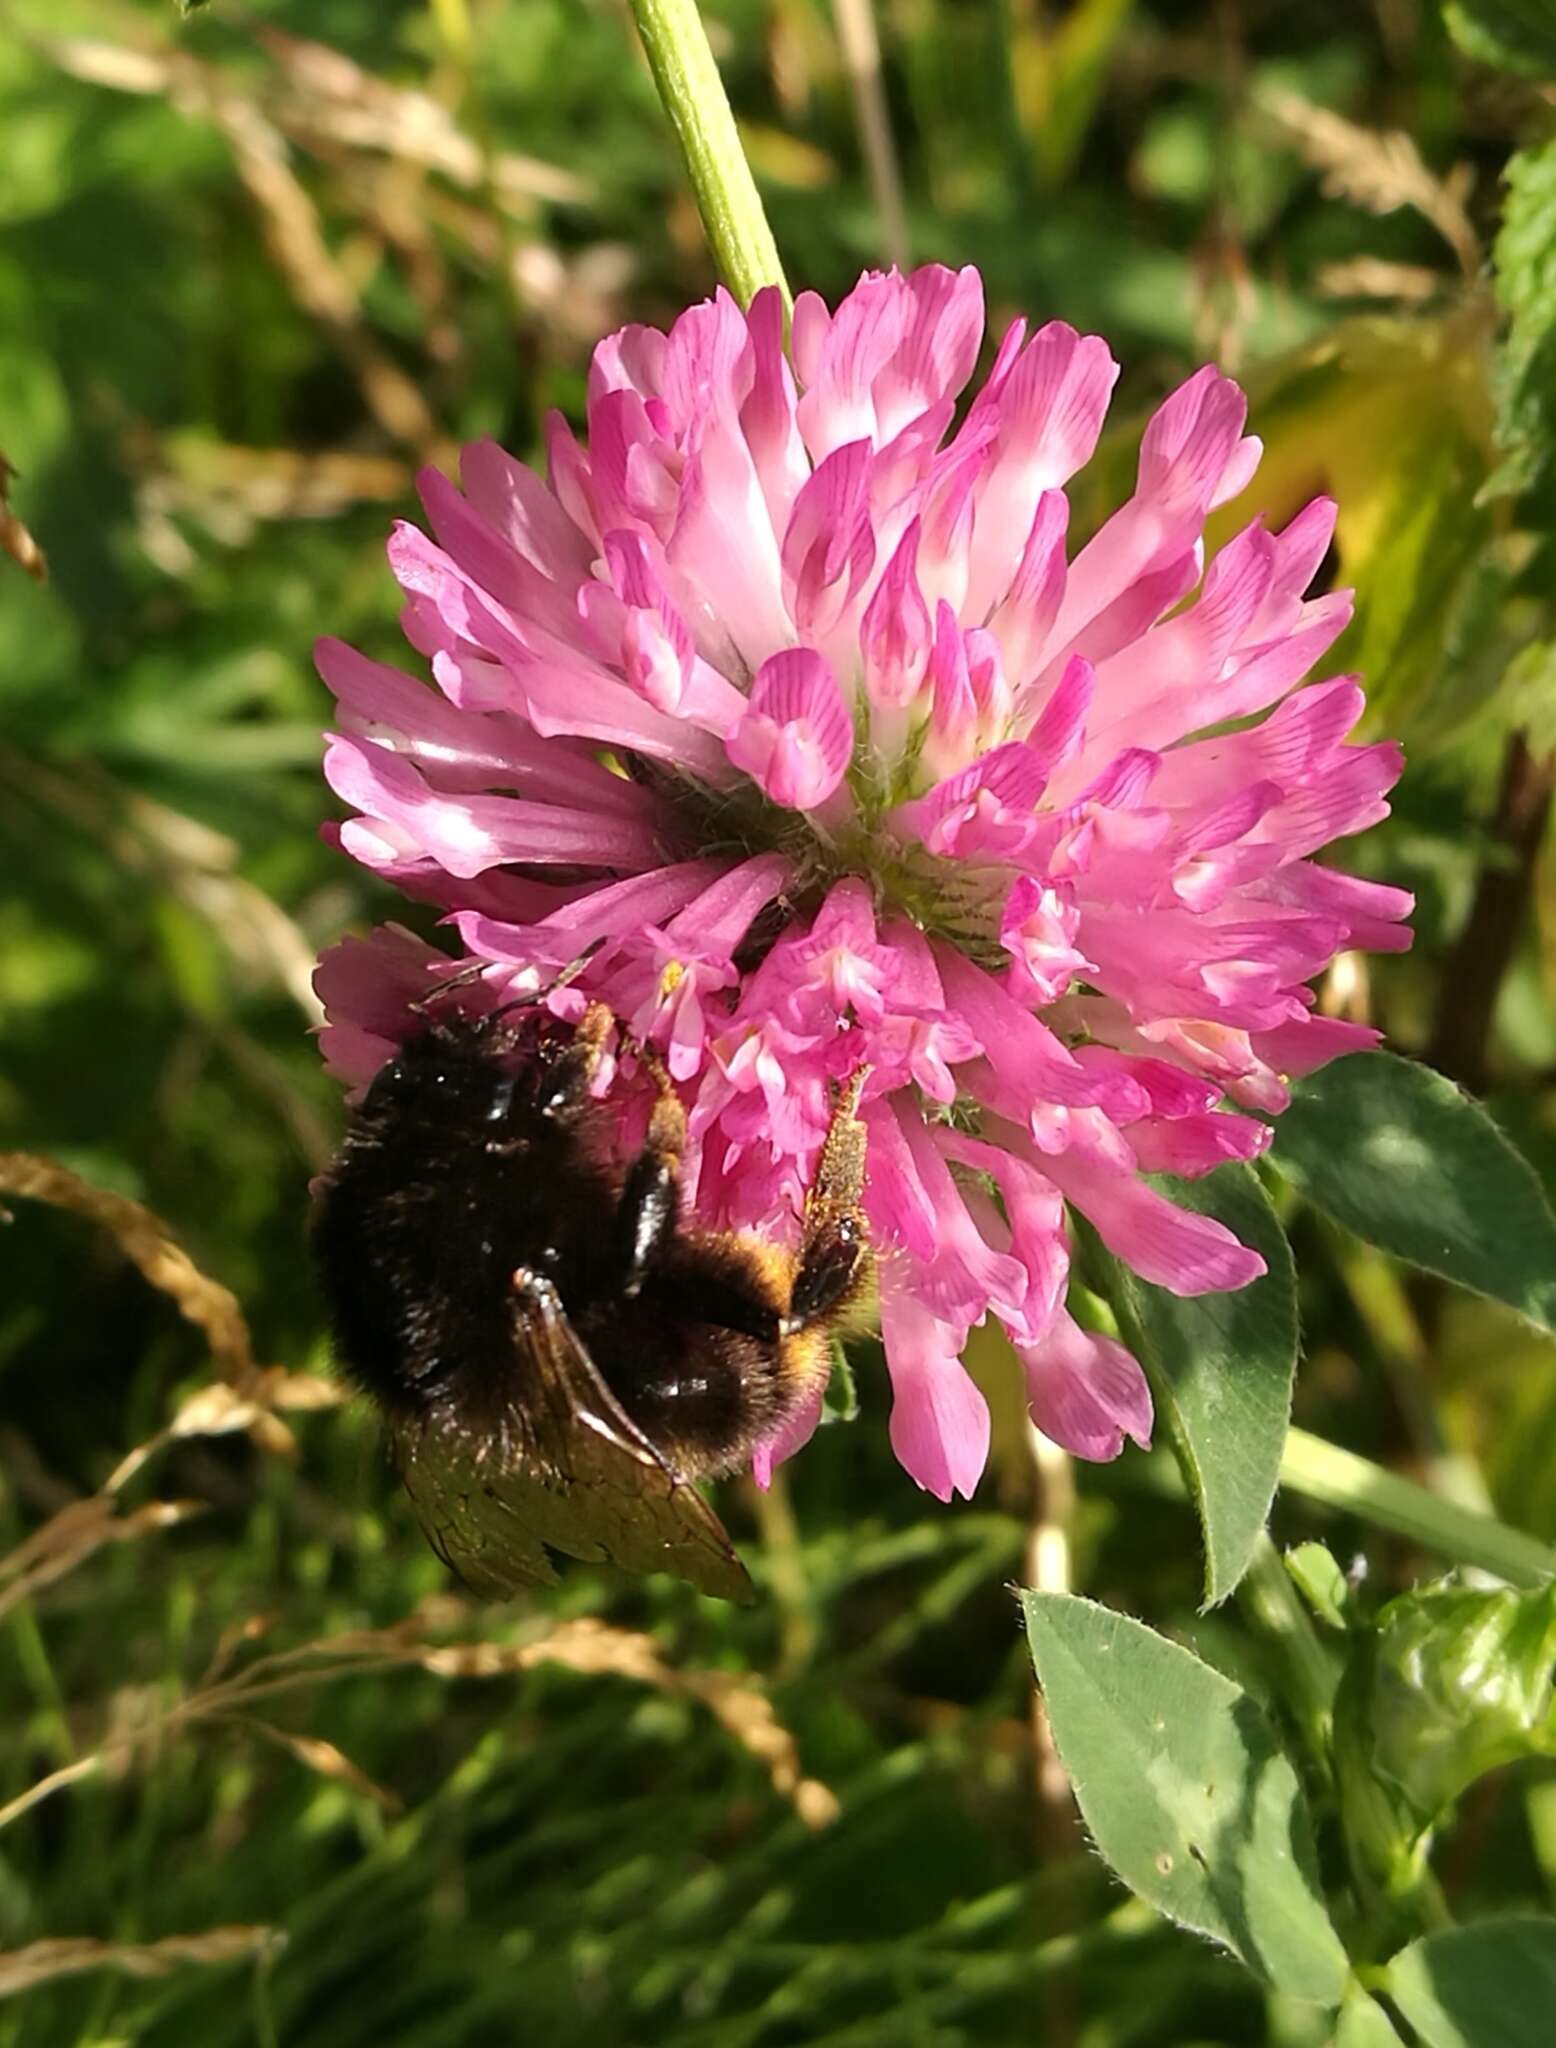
(257, 264)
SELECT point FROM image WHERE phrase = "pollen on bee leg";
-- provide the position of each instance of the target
(839, 1183)
(666, 1136)
(593, 1029)
(834, 1262)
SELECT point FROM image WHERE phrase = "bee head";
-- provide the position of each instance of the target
(455, 1070)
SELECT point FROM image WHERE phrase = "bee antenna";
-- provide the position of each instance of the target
(473, 970)
(460, 978)
(569, 973)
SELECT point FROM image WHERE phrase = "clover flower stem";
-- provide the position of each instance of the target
(1048, 1563)
(773, 1509)
(1048, 1568)
(1338, 1478)
(693, 95)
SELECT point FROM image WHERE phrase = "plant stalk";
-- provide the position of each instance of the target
(1272, 1603)
(692, 91)
(1340, 1479)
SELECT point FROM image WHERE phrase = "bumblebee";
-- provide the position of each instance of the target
(558, 1354)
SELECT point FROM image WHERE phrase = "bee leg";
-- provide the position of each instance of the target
(571, 1073)
(649, 1209)
(834, 1260)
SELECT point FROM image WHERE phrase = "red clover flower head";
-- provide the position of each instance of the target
(784, 693)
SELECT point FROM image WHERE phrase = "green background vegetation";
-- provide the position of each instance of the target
(257, 266)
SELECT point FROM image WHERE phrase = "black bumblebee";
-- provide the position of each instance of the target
(557, 1354)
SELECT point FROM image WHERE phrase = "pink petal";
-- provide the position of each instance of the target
(468, 834)
(722, 914)
(606, 911)
(1371, 911)
(1168, 1090)
(1035, 1234)
(829, 547)
(1348, 798)
(1298, 740)
(1060, 730)
(1192, 440)
(517, 506)
(487, 559)
(1164, 1244)
(1300, 551)
(1086, 1392)
(938, 349)
(895, 633)
(1029, 1065)
(459, 750)
(1260, 678)
(895, 348)
(1025, 615)
(724, 550)
(703, 359)
(1191, 447)
(1308, 1043)
(631, 468)
(939, 1420)
(964, 1275)
(767, 417)
(1037, 929)
(1192, 1145)
(368, 987)
(794, 1435)
(572, 702)
(568, 469)
(796, 740)
(838, 356)
(984, 808)
(953, 713)
(1051, 408)
(632, 359)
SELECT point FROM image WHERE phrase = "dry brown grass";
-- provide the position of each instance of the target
(15, 540)
(250, 1397)
(1378, 168)
(41, 1962)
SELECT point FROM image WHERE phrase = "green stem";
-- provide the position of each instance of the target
(1340, 1479)
(726, 194)
(1271, 1601)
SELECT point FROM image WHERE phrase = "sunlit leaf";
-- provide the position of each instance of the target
(1364, 2024)
(1492, 1985)
(1221, 1369)
(1393, 420)
(1525, 259)
(1406, 1160)
(1185, 1791)
(1449, 1682)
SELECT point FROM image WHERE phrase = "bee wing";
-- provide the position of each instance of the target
(566, 1470)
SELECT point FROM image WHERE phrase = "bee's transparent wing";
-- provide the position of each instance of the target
(565, 1470)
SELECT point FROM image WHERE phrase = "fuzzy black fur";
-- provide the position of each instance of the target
(479, 1152)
